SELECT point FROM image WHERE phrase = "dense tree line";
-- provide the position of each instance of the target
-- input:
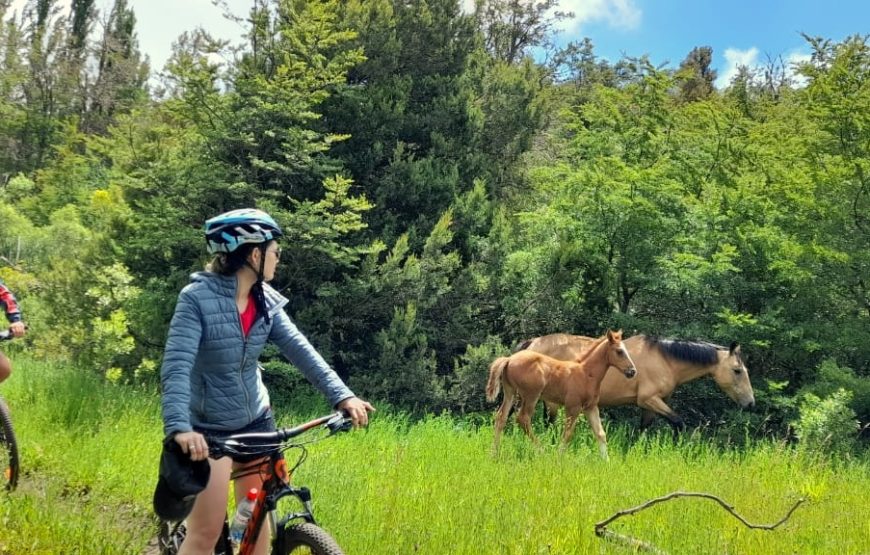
(445, 194)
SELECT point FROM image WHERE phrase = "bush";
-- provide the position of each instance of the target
(827, 424)
(404, 372)
(470, 373)
(832, 377)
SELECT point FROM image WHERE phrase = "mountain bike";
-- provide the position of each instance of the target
(295, 532)
(8, 444)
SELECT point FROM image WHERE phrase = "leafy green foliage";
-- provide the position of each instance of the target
(470, 373)
(405, 368)
(827, 425)
(832, 378)
(428, 112)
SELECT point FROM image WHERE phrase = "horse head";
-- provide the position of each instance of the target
(732, 377)
(617, 354)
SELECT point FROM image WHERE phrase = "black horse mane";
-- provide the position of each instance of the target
(698, 352)
(524, 345)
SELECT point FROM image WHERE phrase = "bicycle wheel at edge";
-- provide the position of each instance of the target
(8, 448)
(305, 538)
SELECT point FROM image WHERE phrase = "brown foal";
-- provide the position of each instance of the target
(574, 384)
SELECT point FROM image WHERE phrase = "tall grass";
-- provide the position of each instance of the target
(90, 454)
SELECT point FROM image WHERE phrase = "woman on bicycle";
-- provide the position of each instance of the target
(210, 376)
(16, 326)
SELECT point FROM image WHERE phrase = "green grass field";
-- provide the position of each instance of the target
(90, 450)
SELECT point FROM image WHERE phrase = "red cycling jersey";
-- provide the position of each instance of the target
(10, 305)
(248, 316)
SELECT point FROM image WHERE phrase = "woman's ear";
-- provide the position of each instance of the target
(254, 257)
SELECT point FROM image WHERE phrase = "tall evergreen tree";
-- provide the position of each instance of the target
(511, 28)
(13, 113)
(121, 73)
(695, 75)
(407, 111)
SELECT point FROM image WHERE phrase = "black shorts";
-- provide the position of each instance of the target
(263, 423)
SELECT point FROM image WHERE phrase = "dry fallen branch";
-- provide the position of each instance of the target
(602, 532)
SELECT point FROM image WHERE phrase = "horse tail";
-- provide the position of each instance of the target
(493, 385)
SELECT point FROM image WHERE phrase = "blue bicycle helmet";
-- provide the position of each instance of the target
(230, 230)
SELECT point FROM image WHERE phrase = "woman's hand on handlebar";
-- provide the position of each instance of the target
(194, 444)
(17, 329)
(357, 409)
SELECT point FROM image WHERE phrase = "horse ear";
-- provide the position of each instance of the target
(734, 349)
(611, 335)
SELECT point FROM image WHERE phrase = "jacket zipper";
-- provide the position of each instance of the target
(204, 395)
(244, 357)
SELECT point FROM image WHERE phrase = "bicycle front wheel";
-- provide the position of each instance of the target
(8, 448)
(307, 538)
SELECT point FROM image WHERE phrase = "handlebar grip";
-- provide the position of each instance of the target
(7, 335)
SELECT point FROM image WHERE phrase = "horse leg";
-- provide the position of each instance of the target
(646, 419)
(677, 423)
(501, 415)
(524, 417)
(570, 423)
(658, 406)
(595, 423)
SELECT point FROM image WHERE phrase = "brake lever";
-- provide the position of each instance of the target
(339, 423)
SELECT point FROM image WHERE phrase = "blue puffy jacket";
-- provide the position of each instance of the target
(210, 375)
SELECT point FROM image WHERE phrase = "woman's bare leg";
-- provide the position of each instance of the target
(5, 367)
(206, 520)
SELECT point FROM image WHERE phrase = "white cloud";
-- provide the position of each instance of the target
(622, 14)
(792, 60)
(735, 58)
(797, 57)
(16, 6)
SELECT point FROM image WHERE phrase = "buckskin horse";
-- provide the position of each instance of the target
(662, 365)
(573, 384)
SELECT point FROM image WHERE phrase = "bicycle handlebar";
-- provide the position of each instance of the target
(7, 335)
(264, 442)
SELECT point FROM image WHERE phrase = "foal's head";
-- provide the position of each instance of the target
(617, 354)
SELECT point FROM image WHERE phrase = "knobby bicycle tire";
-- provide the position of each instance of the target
(299, 537)
(8, 449)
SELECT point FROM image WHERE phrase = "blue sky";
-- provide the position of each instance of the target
(739, 31)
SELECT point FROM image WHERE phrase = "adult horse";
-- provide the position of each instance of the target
(573, 384)
(662, 365)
